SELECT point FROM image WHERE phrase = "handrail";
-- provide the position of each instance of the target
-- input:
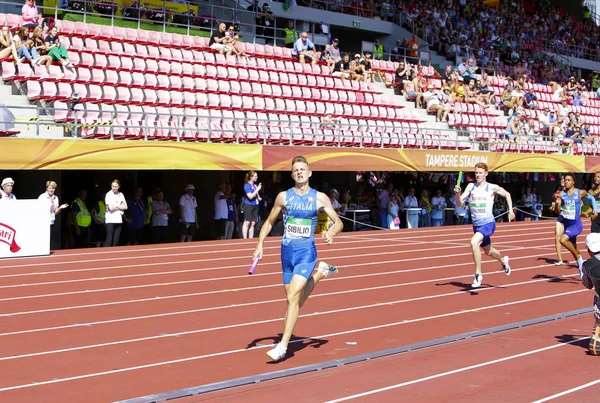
(310, 132)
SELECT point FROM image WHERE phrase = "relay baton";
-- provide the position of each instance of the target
(459, 180)
(254, 264)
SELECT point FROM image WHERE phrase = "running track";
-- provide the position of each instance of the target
(128, 322)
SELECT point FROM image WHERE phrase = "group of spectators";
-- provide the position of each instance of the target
(506, 41)
(36, 41)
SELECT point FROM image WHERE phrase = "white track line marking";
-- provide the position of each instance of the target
(502, 227)
(456, 371)
(211, 279)
(464, 230)
(376, 274)
(194, 358)
(566, 392)
(245, 324)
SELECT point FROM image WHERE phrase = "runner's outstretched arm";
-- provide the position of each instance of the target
(268, 225)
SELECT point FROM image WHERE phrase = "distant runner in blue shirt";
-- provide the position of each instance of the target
(300, 206)
(568, 225)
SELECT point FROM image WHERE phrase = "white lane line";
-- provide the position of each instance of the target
(342, 278)
(566, 392)
(198, 357)
(211, 279)
(239, 255)
(386, 235)
(456, 371)
(173, 313)
(245, 324)
(514, 227)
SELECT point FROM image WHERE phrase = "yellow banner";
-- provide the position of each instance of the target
(176, 8)
(98, 8)
(37, 154)
(348, 159)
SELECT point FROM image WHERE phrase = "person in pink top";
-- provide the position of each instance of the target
(31, 16)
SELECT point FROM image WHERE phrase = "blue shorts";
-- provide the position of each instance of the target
(572, 228)
(487, 230)
(298, 259)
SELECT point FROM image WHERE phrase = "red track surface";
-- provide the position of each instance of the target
(127, 322)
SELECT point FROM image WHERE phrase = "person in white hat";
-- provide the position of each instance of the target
(7, 188)
(591, 280)
(187, 212)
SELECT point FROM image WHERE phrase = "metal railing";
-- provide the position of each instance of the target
(207, 126)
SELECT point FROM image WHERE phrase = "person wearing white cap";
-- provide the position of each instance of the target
(590, 278)
(7, 188)
(113, 217)
(187, 212)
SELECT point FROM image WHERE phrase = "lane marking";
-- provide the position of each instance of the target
(245, 324)
(455, 371)
(221, 353)
(569, 391)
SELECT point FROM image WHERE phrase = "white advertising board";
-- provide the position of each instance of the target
(24, 228)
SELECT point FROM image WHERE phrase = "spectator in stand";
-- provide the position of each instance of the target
(40, 45)
(232, 216)
(342, 69)
(530, 101)
(425, 205)
(136, 213)
(445, 106)
(304, 49)
(267, 20)
(513, 129)
(160, 218)
(401, 76)
(232, 39)
(334, 51)
(413, 49)
(221, 214)
(326, 58)
(116, 205)
(218, 41)
(81, 220)
(368, 71)
(31, 16)
(56, 50)
(290, 36)
(24, 46)
(7, 48)
(188, 215)
(358, 72)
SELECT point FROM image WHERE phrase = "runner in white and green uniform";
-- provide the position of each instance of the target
(481, 199)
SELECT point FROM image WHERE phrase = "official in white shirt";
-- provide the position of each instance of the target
(49, 197)
(115, 207)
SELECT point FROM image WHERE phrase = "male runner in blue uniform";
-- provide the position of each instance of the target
(300, 206)
(568, 224)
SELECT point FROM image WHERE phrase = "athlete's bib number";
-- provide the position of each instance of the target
(298, 227)
(478, 209)
(568, 212)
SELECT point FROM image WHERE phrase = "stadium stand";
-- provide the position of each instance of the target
(127, 87)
